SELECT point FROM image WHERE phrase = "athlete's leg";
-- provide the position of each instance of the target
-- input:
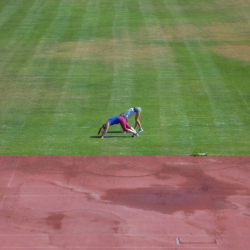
(125, 126)
(106, 129)
(131, 130)
(137, 122)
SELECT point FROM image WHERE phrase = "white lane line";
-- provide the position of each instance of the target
(11, 178)
(2, 202)
(14, 172)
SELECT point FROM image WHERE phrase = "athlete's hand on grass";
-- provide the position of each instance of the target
(124, 132)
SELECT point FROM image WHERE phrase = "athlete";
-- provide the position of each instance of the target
(134, 111)
(115, 120)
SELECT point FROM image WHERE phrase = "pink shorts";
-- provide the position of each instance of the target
(124, 124)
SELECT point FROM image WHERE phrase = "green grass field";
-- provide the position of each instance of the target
(66, 66)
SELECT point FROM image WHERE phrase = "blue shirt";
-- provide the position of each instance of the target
(114, 120)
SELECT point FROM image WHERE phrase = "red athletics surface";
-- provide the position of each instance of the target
(124, 202)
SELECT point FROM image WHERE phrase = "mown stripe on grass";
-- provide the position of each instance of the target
(247, 105)
(180, 21)
(210, 76)
(12, 24)
(123, 78)
(43, 121)
(171, 111)
(220, 97)
(12, 90)
(9, 10)
(38, 48)
(123, 75)
(53, 34)
(199, 115)
(13, 48)
(40, 62)
(69, 112)
(106, 19)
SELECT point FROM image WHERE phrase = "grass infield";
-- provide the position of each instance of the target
(68, 66)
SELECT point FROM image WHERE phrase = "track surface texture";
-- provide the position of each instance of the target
(118, 202)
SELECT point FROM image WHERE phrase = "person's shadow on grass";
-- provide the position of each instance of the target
(115, 132)
(110, 136)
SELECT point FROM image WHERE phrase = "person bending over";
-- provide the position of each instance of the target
(115, 120)
(134, 111)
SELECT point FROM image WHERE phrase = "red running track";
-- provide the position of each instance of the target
(126, 203)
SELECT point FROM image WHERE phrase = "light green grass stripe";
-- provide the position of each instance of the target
(62, 11)
(20, 36)
(123, 79)
(67, 113)
(9, 10)
(167, 83)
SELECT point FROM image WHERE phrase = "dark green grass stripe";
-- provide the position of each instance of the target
(8, 10)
